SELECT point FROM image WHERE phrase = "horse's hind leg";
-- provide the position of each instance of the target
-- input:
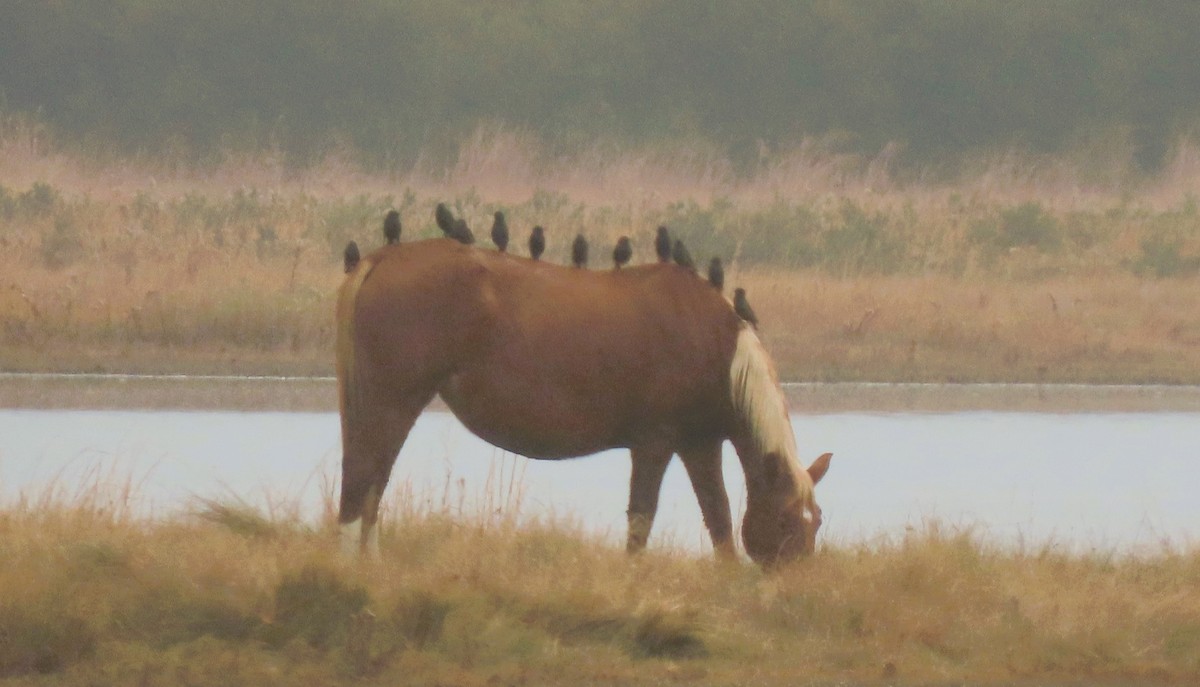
(645, 481)
(370, 443)
(703, 463)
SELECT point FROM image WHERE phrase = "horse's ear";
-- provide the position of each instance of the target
(819, 467)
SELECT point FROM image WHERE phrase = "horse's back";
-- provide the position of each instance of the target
(412, 306)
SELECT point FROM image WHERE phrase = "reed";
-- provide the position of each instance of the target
(1023, 268)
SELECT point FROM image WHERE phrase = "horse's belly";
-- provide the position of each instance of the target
(530, 425)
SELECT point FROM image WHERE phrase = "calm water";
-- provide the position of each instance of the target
(1112, 480)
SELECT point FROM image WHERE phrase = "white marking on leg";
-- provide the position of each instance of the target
(371, 542)
(639, 531)
(369, 534)
(351, 537)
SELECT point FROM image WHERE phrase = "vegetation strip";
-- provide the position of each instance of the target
(232, 595)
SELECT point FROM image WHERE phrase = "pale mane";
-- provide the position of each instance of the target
(761, 406)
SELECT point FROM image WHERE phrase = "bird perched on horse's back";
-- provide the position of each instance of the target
(462, 233)
(500, 232)
(537, 242)
(456, 229)
(350, 257)
(444, 218)
(742, 307)
(716, 274)
(682, 257)
(662, 244)
(391, 227)
(622, 252)
(579, 251)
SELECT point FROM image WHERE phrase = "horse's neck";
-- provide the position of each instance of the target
(768, 476)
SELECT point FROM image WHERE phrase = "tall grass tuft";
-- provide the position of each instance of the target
(239, 518)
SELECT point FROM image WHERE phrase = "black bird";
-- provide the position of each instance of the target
(662, 245)
(716, 274)
(453, 228)
(742, 307)
(579, 251)
(622, 252)
(350, 257)
(444, 219)
(391, 227)
(682, 257)
(537, 243)
(462, 234)
(500, 232)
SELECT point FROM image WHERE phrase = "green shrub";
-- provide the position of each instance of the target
(1162, 257)
(41, 199)
(314, 605)
(669, 635)
(543, 203)
(45, 643)
(860, 243)
(168, 616)
(359, 218)
(1029, 224)
(63, 245)
(701, 229)
(419, 618)
(1026, 225)
(781, 235)
(8, 203)
(1164, 244)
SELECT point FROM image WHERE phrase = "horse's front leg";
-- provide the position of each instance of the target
(645, 481)
(703, 463)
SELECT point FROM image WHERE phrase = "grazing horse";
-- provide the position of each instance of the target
(550, 363)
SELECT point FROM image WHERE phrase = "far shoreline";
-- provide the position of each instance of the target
(317, 393)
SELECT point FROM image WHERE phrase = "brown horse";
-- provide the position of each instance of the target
(550, 363)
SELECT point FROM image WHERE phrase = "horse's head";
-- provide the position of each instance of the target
(781, 524)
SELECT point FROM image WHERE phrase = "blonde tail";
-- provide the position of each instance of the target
(348, 390)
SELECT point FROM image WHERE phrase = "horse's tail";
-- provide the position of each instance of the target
(759, 403)
(349, 389)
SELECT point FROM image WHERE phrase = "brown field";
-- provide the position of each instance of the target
(1018, 272)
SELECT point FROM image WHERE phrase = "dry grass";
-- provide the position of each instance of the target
(1019, 271)
(96, 595)
(1118, 329)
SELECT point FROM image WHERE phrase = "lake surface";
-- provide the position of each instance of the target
(1111, 480)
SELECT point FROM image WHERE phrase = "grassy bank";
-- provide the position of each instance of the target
(1020, 271)
(227, 596)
